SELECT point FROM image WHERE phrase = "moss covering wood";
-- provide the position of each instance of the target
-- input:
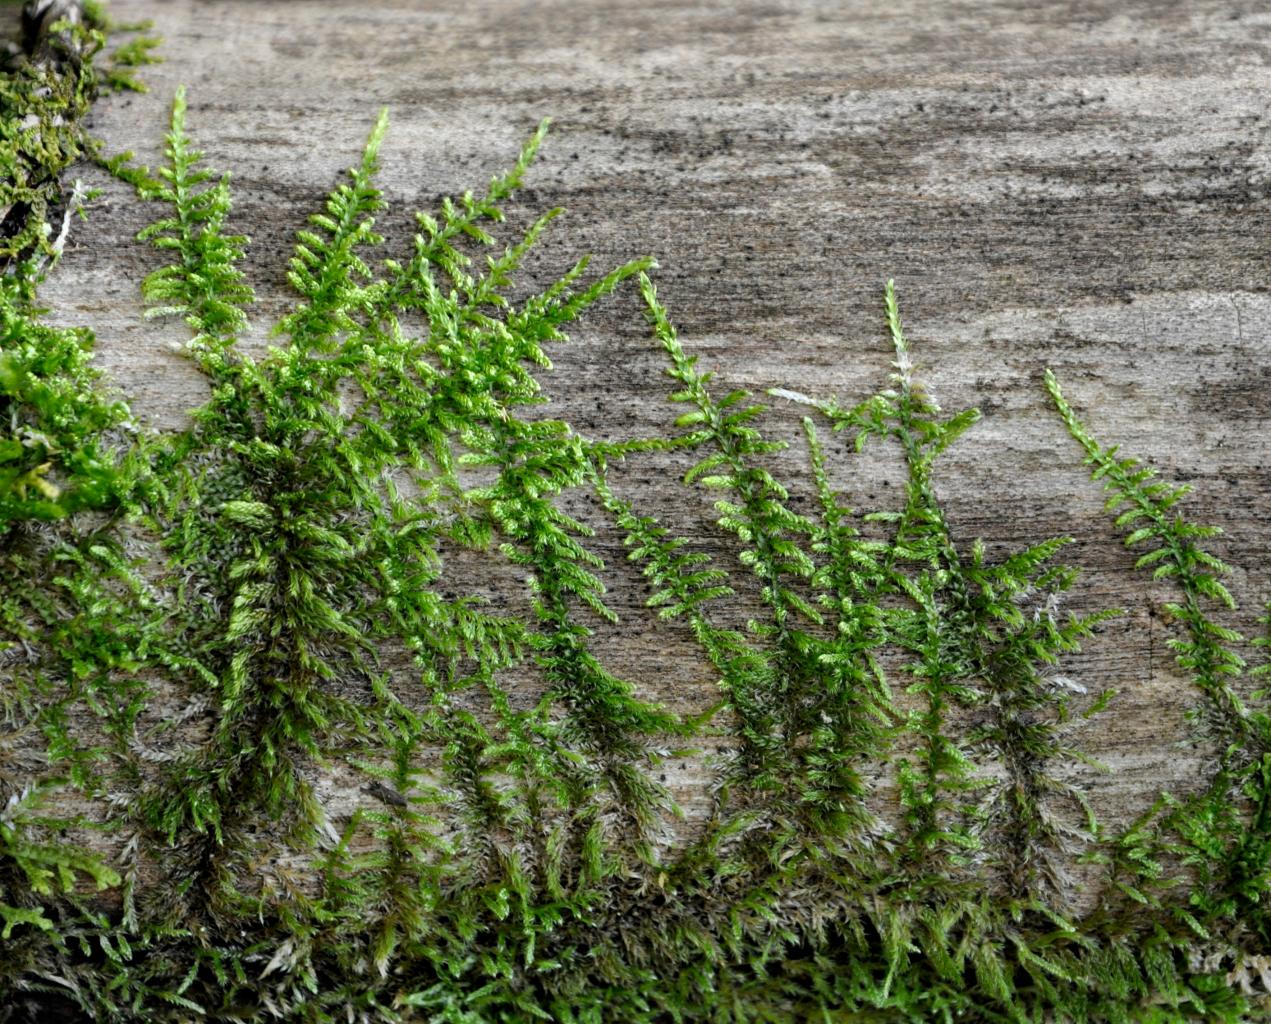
(512, 860)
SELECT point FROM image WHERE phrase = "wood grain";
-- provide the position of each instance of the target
(1081, 185)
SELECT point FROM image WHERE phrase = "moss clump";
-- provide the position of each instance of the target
(48, 82)
(274, 578)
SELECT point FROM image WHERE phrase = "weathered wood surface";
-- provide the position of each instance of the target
(1083, 186)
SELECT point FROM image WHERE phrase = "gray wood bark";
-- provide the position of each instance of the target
(1082, 186)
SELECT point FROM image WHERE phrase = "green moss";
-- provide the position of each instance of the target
(44, 98)
(273, 568)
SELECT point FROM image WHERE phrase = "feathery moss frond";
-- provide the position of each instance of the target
(1143, 505)
(1224, 832)
(328, 270)
(203, 286)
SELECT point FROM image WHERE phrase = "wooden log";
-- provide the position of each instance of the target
(1077, 186)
